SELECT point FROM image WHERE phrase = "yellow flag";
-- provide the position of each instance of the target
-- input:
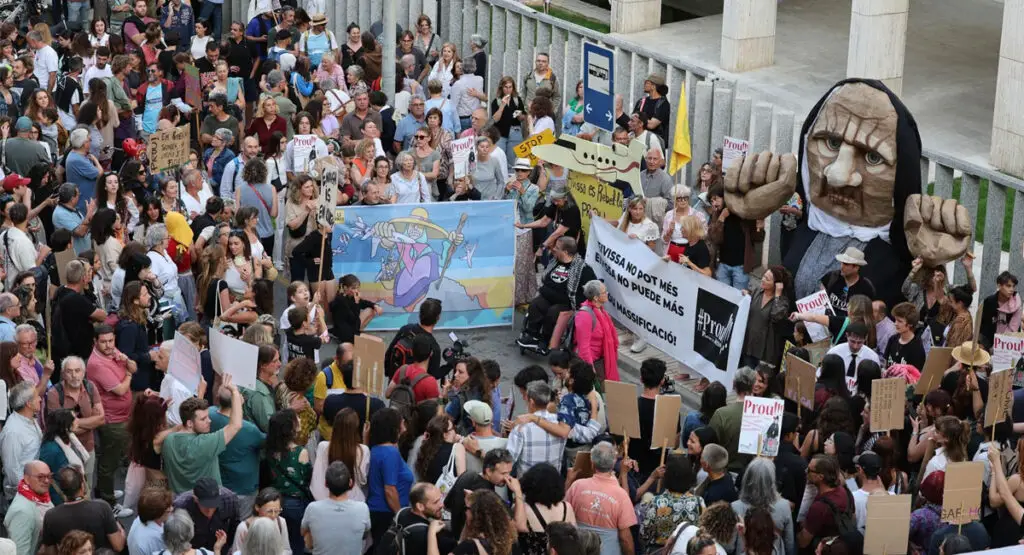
(681, 141)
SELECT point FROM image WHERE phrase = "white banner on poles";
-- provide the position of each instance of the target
(698, 321)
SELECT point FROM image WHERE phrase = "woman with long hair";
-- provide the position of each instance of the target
(894, 479)
(428, 159)
(508, 111)
(131, 333)
(541, 116)
(438, 449)
(426, 40)
(711, 399)
(768, 324)
(147, 429)
(110, 194)
(927, 288)
(98, 35)
(469, 384)
(266, 121)
(951, 437)
(105, 120)
(257, 192)
(241, 271)
(246, 219)
(104, 229)
(60, 447)
(231, 87)
(346, 445)
(170, 196)
(760, 533)
(290, 470)
(379, 181)
(544, 492)
(10, 361)
(362, 165)
(489, 529)
(443, 69)
(834, 417)
(299, 375)
(759, 493)
(267, 506)
(414, 429)
(300, 220)
(635, 223)
(10, 100)
(859, 309)
(214, 296)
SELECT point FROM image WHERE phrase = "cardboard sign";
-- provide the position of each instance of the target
(608, 163)
(234, 357)
(168, 149)
(800, 381)
(327, 199)
(761, 426)
(939, 360)
(525, 148)
(961, 498)
(1007, 349)
(185, 363)
(464, 156)
(817, 303)
(887, 401)
(997, 408)
(888, 524)
(61, 259)
(368, 363)
(621, 405)
(590, 193)
(733, 150)
(666, 421)
(583, 466)
(193, 87)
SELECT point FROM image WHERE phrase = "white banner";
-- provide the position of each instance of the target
(698, 321)
(817, 303)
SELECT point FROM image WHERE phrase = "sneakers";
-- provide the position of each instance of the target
(638, 345)
(118, 494)
(122, 512)
(527, 341)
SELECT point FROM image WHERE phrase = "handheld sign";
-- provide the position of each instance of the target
(666, 421)
(234, 357)
(1007, 349)
(761, 426)
(368, 363)
(800, 381)
(463, 156)
(939, 360)
(525, 148)
(327, 199)
(887, 402)
(961, 498)
(818, 303)
(185, 364)
(583, 466)
(61, 259)
(733, 149)
(621, 405)
(168, 149)
(193, 87)
(888, 524)
(998, 391)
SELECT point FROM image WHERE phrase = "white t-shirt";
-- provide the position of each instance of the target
(193, 205)
(683, 539)
(167, 272)
(645, 231)
(544, 123)
(46, 62)
(95, 73)
(175, 392)
(102, 40)
(198, 47)
(860, 503)
(19, 253)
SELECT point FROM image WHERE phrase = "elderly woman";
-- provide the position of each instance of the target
(354, 77)
(330, 69)
(265, 538)
(178, 532)
(696, 255)
(759, 491)
(597, 342)
(166, 271)
(408, 185)
(675, 504)
(525, 193)
(672, 232)
(428, 159)
(489, 174)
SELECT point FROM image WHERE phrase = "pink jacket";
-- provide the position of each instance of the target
(597, 340)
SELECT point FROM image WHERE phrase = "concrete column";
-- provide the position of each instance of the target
(748, 34)
(878, 41)
(1008, 121)
(633, 16)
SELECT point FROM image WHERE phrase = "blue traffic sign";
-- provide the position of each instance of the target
(599, 86)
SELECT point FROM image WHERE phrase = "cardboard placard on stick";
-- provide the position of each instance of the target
(887, 402)
(327, 199)
(761, 426)
(939, 360)
(800, 380)
(888, 524)
(666, 421)
(61, 259)
(168, 149)
(583, 466)
(621, 405)
(999, 383)
(368, 364)
(961, 498)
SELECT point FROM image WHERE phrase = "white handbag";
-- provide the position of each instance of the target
(445, 482)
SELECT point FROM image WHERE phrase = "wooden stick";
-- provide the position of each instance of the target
(960, 526)
(625, 441)
(320, 273)
(799, 403)
(664, 447)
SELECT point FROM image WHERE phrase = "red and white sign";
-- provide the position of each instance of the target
(817, 303)
(761, 427)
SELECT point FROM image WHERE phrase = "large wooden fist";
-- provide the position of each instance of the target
(758, 184)
(938, 229)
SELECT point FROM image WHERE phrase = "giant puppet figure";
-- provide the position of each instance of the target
(859, 175)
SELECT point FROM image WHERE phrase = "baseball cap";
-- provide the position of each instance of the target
(479, 412)
(13, 181)
(869, 462)
(23, 124)
(207, 493)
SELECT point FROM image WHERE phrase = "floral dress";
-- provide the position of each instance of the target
(660, 516)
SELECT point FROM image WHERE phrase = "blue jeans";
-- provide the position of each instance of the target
(508, 144)
(292, 509)
(732, 275)
(214, 13)
(78, 15)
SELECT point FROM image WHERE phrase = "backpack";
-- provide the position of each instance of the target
(403, 398)
(393, 540)
(329, 375)
(59, 387)
(846, 522)
(570, 333)
(400, 354)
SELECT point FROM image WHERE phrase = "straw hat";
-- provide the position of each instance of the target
(967, 355)
(318, 19)
(852, 255)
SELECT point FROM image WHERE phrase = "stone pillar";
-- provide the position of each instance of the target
(1007, 152)
(633, 16)
(878, 41)
(748, 34)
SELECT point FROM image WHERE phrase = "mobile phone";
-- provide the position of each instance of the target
(452, 336)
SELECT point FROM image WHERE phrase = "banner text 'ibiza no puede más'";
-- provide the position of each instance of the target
(461, 253)
(695, 319)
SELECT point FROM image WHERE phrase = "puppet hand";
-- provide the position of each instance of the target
(758, 184)
(938, 230)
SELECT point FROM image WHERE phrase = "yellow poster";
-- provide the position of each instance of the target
(590, 193)
(525, 148)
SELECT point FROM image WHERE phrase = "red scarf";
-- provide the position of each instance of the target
(32, 496)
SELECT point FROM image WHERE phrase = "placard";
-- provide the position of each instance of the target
(193, 87)
(61, 259)
(888, 525)
(939, 360)
(818, 303)
(583, 466)
(185, 363)
(525, 148)
(327, 199)
(621, 406)
(303, 154)
(591, 193)
(761, 426)
(368, 363)
(997, 408)
(961, 498)
(168, 149)
(733, 149)
(666, 421)
(234, 357)
(464, 156)
(800, 381)
(1007, 349)
(888, 398)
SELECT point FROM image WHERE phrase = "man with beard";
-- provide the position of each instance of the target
(134, 30)
(207, 65)
(102, 68)
(425, 505)
(25, 83)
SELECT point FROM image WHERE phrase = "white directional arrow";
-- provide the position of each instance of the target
(589, 109)
(608, 115)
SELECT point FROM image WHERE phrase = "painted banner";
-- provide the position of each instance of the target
(464, 156)
(761, 426)
(590, 193)
(459, 253)
(817, 303)
(733, 149)
(1007, 349)
(168, 149)
(694, 319)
